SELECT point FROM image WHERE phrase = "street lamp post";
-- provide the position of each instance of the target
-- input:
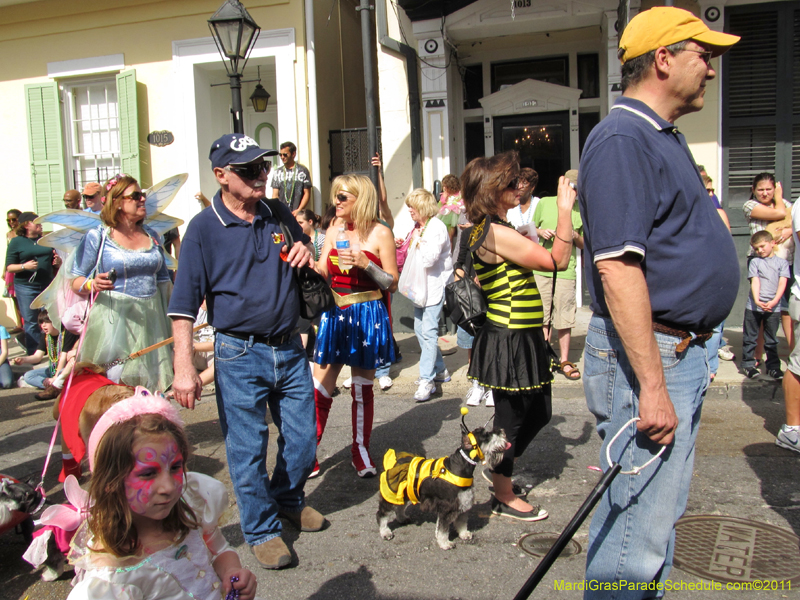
(235, 33)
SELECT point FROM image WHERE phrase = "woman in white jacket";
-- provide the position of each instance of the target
(433, 254)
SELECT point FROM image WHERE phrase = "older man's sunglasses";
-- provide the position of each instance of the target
(251, 171)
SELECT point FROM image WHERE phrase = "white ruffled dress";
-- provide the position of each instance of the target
(183, 571)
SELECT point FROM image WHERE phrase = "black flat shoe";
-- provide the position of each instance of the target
(504, 510)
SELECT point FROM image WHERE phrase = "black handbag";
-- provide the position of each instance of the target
(315, 292)
(465, 304)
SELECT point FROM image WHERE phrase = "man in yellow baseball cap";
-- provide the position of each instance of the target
(665, 25)
(650, 231)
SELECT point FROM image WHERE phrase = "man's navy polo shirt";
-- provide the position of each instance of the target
(640, 192)
(237, 267)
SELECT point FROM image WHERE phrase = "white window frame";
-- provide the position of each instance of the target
(72, 161)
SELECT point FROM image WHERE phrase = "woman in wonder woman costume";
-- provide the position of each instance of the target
(357, 331)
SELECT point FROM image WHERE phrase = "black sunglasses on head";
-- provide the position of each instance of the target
(251, 171)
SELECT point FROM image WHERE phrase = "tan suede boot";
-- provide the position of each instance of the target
(272, 554)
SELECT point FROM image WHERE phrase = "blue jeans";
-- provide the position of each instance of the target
(6, 376)
(26, 293)
(426, 326)
(713, 345)
(753, 319)
(382, 371)
(251, 377)
(632, 534)
(35, 377)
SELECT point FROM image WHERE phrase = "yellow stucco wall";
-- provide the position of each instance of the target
(37, 33)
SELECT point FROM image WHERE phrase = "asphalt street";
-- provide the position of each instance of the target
(739, 472)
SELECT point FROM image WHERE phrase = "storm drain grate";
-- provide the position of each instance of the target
(539, 544)
(728, 549)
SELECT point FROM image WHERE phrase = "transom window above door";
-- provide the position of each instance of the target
(551, 70)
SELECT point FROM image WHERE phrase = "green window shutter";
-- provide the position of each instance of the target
(46, 146)
(128, 123)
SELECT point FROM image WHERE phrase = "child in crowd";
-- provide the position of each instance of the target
(768, 275)
(152, 530)
(451, 204)
(45, 378)
(6, 376)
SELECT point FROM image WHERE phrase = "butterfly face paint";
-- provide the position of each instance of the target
(155, 483)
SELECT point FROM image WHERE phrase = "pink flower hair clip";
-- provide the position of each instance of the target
(115, 180)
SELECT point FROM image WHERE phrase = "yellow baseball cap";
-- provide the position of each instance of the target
(665, 25)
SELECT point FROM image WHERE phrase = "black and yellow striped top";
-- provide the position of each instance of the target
(511, 294)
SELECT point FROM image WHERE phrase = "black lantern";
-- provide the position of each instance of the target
(235, 33)
(260, 96)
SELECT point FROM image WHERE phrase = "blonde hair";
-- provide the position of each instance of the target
(365, 207)
(423, 202)
(110, 212)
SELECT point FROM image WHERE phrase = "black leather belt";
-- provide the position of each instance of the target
(275, 340)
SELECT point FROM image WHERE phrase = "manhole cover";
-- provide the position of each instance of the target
(728, 549)
(539, 544)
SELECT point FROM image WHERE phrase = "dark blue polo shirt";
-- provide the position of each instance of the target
(640, 193)
(237, 267)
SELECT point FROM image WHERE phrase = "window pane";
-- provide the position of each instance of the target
(589, 75)
(94, 154)
(551, 70)
(473, 86)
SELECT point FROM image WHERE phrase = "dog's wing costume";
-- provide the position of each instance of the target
(403, 475)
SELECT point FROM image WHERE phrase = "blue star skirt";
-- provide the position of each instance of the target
(358, 335)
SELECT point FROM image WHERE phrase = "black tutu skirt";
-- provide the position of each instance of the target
(513, 360)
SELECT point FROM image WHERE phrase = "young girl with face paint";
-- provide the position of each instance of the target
(152, 529)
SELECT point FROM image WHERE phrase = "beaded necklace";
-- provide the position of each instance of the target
(289, 198)
(53, 351)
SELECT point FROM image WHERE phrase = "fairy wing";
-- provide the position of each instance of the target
(161, 194)
(162, 223)
(63, 239)
(73, 218)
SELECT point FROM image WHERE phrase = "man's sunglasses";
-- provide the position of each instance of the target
(285, 154)
(136, 196)
(251, 171)
(704, 54)
(85, 197)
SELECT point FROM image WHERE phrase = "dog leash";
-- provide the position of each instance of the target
(580, 516)
(40, 488)
(156, 346)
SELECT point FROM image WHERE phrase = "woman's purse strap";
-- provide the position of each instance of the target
(552, 293)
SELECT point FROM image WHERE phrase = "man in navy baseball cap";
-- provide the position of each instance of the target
(231, 256)
(236, 149)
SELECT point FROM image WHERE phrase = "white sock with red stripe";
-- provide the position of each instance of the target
(362, 415)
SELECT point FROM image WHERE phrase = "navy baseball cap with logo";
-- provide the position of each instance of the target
(236, 149)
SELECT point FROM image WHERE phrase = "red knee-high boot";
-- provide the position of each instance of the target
(362, 413)
(323, 404)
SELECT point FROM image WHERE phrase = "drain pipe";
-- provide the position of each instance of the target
(313, 116)
(415, 107)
